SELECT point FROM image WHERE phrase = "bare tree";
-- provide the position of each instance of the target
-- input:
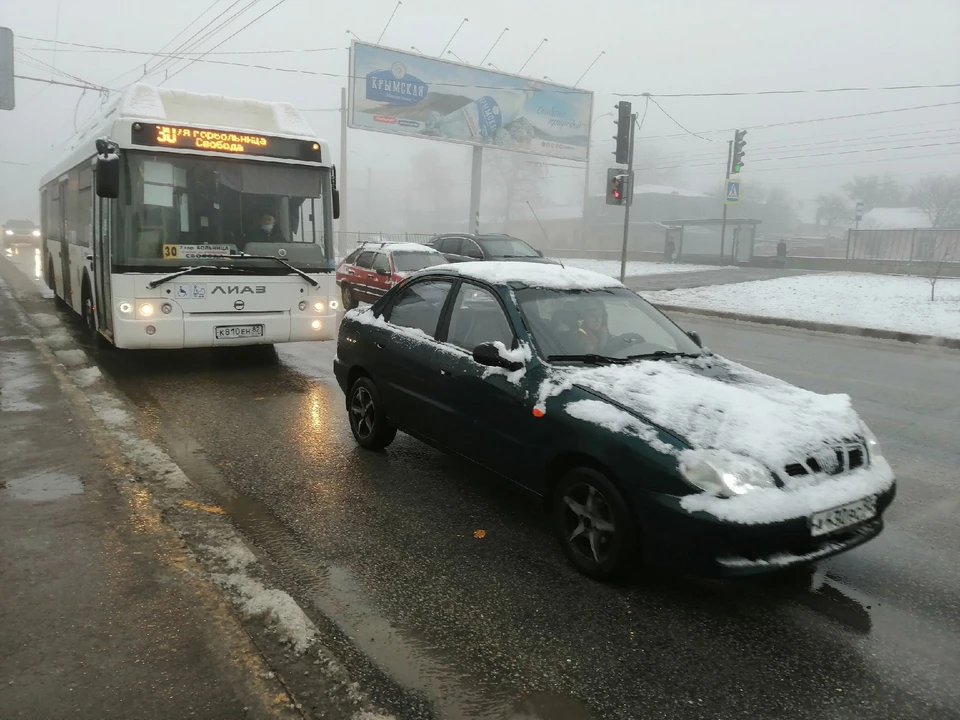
(939, 198)
(831, 208)
(519, 178)
(778, 195)
(944, 250)
(875, 191)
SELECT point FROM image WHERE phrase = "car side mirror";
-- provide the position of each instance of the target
(474, 254)
(489, 354)
(695, 336)
(336, 204)
(108, 176)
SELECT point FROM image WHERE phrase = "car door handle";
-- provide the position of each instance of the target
(378, 344)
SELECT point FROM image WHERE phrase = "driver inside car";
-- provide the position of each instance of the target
(596, 334)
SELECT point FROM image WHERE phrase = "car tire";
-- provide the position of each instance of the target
(368, 421)
(595, 527)
(348, 296)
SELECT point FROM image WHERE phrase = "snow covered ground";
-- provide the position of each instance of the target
(886, 302)
(635, 267)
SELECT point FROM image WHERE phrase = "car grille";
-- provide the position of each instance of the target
(831, 461)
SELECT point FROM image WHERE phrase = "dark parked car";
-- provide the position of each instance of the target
(463, 247)
(643, 444)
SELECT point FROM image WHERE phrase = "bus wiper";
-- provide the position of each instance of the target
(298, 271)
(656, 355)
(185, 271)
(590, 359)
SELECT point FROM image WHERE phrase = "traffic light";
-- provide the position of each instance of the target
(738, 152)
(624, 118)
(617, 186)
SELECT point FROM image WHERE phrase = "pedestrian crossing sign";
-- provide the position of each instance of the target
(732, 195)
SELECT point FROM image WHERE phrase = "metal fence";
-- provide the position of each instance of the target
(346, 242)
(910, 245)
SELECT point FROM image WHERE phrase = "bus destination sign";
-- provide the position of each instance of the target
(223, 141)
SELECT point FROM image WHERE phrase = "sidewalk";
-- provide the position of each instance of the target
(719, 276)
(102, 612)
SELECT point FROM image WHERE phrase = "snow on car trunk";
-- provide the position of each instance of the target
(721, 405)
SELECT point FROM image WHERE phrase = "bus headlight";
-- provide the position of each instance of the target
(316, 324)
(146, 309)
(319, 306)
(166, 308)
(125, 308)
(334, 304)
(302, 305)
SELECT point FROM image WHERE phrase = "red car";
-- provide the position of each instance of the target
(373, 268)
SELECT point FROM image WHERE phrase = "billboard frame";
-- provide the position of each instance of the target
(353, 78)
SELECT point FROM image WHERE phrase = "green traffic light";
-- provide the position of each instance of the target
(738, 167)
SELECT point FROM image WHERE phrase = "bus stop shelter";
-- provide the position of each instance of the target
(700, 239)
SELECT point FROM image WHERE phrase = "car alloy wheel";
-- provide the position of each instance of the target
(593, 524)
(346, 295)
(370, 426)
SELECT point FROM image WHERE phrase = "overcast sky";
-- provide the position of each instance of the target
(666, 47)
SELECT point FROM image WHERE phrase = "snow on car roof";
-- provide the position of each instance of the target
(530, 274)
(410, 247)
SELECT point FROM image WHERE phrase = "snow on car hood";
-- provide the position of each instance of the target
(717, 404)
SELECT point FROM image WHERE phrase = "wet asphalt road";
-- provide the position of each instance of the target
(381, 550)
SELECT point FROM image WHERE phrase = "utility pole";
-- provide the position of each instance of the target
(723, 224)
(629, 199)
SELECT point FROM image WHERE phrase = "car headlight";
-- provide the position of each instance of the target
(873, 445)
(36, 233)
(724, 473)
(8, 232)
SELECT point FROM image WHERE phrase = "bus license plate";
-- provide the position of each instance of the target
(238, 332)
(844, 516)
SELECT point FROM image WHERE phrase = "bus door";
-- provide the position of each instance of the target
(65, 245)
(101, 263)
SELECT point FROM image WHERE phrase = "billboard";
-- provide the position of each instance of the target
(404, 93)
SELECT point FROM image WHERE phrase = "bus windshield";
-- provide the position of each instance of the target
(176, 208)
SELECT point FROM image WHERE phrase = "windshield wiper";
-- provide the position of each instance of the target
(658, 354)
(298, 271)
(185, 271)
(590, 358)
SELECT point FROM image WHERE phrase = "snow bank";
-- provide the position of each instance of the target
(85, 377)
(726, 407)
(636, 268)
(276, 607)
(540, 275)
(883, 302)
(775, 505)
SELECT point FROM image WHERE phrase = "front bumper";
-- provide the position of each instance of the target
(708, 546)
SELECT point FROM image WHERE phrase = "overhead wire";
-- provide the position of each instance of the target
(230, 37)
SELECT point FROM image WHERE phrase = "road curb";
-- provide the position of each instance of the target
(877, 333)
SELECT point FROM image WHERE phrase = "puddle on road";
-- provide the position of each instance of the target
(43, 486)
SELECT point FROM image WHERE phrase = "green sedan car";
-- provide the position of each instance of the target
(644, 446)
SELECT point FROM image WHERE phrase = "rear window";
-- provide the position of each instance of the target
(412, 261)
(352, 257)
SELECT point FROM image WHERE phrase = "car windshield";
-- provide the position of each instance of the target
(612, 323)
(411, 261)
(20, 225)
(506, 247)
(179, 206)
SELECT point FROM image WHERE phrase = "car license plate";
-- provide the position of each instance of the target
(844, 516)
(237, 332)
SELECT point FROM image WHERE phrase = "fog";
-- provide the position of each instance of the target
(663, 49)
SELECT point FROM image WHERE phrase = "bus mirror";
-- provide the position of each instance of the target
(336, 204)
(108, 176)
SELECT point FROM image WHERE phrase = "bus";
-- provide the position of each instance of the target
(156, 229)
